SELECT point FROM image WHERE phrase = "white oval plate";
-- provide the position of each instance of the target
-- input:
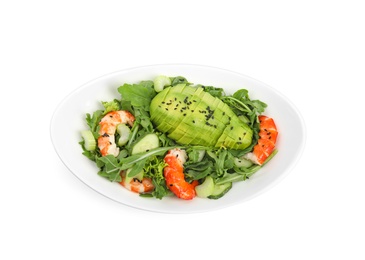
(69, 119)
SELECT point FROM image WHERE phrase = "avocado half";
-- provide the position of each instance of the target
(191, 116)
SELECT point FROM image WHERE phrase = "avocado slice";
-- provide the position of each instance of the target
(156, 106)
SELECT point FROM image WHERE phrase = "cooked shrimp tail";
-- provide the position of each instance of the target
(136, 185)
(266, 143)
(174, 175)
(108, 127)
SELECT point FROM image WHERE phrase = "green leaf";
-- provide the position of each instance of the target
(154, 169)
(137, 168)
(111, 168)
(198, 170)
(241, 94)
(93, 121)
(133, 159)
(215, 92)
(111, 106)
(140, 95)
(259, 105)
(178, 80)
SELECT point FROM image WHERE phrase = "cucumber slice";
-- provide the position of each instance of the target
(124, 132)
(242, 162)
(90, 142)
(160, 82)
(206, 188)
(148, 142)
(220, 190)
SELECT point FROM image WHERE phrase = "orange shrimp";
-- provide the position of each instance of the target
(266, 143)
(108, 126)
(174, 175)
(136, 185)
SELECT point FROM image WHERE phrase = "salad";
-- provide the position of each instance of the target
(170, 137)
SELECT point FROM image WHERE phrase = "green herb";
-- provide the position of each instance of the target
(219, 163)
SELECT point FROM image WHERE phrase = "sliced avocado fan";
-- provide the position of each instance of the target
(191, 116)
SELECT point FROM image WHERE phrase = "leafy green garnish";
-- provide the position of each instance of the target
(178, 80)
(139, 95)
(154, 169)
(111, 106)
(219, 163)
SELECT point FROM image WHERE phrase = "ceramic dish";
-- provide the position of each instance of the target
(69, 119)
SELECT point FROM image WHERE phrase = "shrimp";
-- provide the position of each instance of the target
(107, 145)
(136, 185)
(108, 126)
(174, 175)
(266, 143)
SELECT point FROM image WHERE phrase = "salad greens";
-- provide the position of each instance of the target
(221, 164)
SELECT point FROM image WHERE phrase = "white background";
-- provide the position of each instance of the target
(311, 51)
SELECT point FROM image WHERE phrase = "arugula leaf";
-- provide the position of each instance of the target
(178, 80)
(165, 140)
(137, 168)
(93, 122)
(92, 155)
(215, 92)
(111, 168)
(140, 95)
(198, 170)
(128, 162)
(242, 173)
